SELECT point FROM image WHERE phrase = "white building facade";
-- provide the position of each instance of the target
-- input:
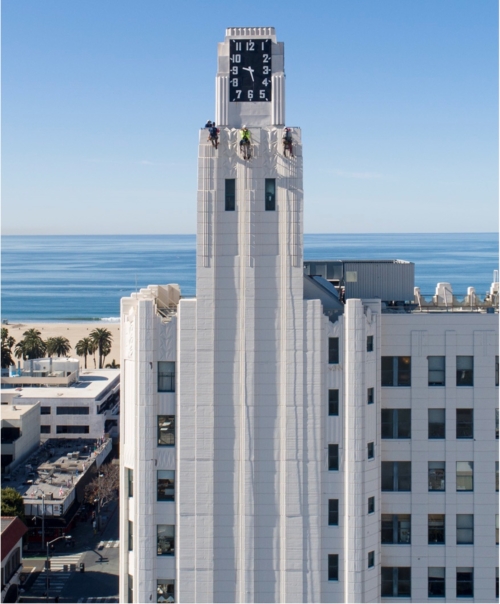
(275, 429)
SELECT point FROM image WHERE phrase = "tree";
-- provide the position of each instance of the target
(31, 346)
(84, 347)
(104, 487)
(7, 343)
(12, 503)
(102, 338)
(58, 346)
(112, 365)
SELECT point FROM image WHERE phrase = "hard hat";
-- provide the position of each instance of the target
(244, 126)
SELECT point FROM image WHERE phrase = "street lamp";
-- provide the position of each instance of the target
(99, 476)
(47, 563)
(43, 515)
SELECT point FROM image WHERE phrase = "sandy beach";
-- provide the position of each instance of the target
(74, 332)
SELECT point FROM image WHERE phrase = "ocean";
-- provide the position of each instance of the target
(82, 278)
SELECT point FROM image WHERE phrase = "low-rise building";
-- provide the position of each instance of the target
(20, 433)
(13, 531)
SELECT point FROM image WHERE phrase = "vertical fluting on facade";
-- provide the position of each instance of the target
(354, 450)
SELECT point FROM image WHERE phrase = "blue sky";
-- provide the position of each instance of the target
(102, 101)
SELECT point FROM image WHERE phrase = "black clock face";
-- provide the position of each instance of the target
(250, 71)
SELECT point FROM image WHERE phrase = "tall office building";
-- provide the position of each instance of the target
(300, 432)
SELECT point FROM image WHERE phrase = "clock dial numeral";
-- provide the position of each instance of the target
(238, 45)
(250, 95)
(234, 82)
(236, 58)
(250, 45)
(250, 71)
(266, 58)
(238, 94)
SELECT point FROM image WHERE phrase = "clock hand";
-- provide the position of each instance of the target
(250, 71)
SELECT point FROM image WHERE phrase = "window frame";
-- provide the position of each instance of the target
(166, 424)
(333, 567)
(465, 532)
(333, 512)
(462, 582)
(396, 371)
(130, 536)
(436, 533)
(230, 195)
(371, 559)
(436, 475)
(436, 427)
(464, 423)
(333, 351)
(370, 450)
(395, 529)
(166, 379)
(464, 475)
(370, 396)
(170, 480)
(333, 402)
(465, 374)
(270, 196)
(397, 420)
(369, 343)
(437, 580)
(397, 475)
(171, 550)
(436, 376)
(371, 505)
(390, 575)
(165, 583)
(333, 456)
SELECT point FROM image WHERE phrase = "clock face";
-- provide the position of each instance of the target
(250, 71)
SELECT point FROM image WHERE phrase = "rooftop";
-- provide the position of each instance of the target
(12, 530)
(10, 412)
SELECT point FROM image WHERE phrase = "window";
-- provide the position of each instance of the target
(165, 590)
(166, 430)
(396, 528)
(72, 410)
(370, 396)
(165, 539)
(333, 512)
(496, 373)
(396, 423)
(465, 423)
(465, 476)
(371, 559)
(130, 477)
(437, 419)
(166, 376)
(436, 529)
(333, 402)
(436, 371)
(371, 450)
(465, 582)
(371, 505)
(496, 476)
(230, 195)
(165, 481)
(465, 529)
(130, 536)
(130, 590)
(496, 583)
(436, 475)
(333, 567)
(369, 343)
(44, 429)
(396, 476)
(333, 351)
(45, 410)
(465, 371)
(396, 581)
(333, 457)
(496, 424)
(436, 584)
(396, 371)
(496, 529)
(72, 429)
(270, 194)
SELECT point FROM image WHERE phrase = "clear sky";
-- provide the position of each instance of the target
(102, 101)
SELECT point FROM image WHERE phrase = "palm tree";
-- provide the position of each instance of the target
(112, 365)
(84, 347)
(31, 346)
(102, 338)
(58, 346)
(7, 343)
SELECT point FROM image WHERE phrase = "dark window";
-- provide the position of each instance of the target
(496, 583)
(333, 457)
(72, 429)
(333, 512)
(130, 476)
(436, 475)
(270, 194)
(369, 343)
(333, 402)
(130, 536)
(230, 195)
(165, 590)
(130, 589)
(396, 476)
(166, 430)
(437, 426)
(396, 528)
(44, 429)
(465, 423)
(371, 505)
(45, 410)
(496, 373)
(72, 411)
(165, 485)
(465, 371)
(436, 529)
(436, 582)
(496, 529)
(371, 450)
(396, 371)
(333, 351)
(166, 376)
(496, 476)
(396, 423)
(465, 476)
(371, 559)
(396, 581)
(370, 396)
(465, 582)
(333, 567)
(436, 371)
(165, 539)
(465, 529)
(496, 423)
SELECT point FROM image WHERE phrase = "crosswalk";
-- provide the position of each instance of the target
(61, 568)
(108, 599)
(103, 544)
